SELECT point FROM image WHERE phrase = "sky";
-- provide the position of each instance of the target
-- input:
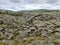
(17, 5)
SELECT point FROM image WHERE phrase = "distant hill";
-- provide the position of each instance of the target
(37, 10)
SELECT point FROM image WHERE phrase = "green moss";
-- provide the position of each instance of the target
(2, 37)
(3, 43)
(56, 43)
(16, 42)
(29, 40)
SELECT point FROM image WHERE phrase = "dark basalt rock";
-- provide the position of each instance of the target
(1, 22)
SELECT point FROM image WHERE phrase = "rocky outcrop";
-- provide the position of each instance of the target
(30, 29)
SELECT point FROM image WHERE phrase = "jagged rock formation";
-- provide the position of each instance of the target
(39, 28)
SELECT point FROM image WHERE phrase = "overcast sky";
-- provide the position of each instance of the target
(29, 4)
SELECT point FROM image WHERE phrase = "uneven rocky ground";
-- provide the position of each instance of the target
(30, 28)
